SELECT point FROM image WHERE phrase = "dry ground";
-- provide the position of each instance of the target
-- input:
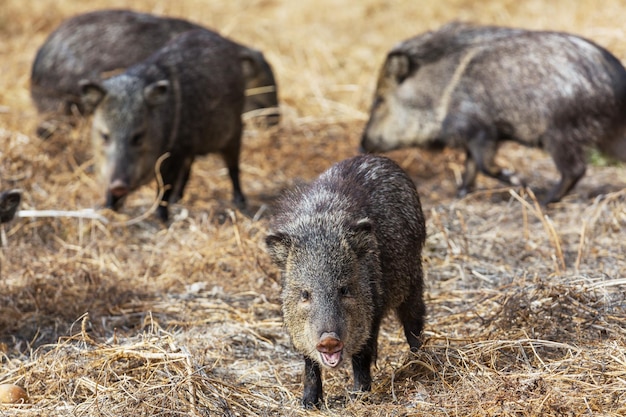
(527, 312)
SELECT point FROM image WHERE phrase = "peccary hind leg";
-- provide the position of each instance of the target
(570, 161)
(231, 158)
(312, 396)
(411, 314)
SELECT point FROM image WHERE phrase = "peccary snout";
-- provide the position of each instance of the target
(330, 348)
(119, 188)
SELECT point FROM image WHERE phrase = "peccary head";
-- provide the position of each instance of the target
(402, 112)
(127, 136)
(328, 305)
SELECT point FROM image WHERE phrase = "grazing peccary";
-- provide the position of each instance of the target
(99, 44)
(9, 202)
(185, 100)
(349, 249)
(474, 86)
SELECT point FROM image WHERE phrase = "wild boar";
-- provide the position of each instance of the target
(103, 43)
(473, 87)
(185, 100)
(349, 248)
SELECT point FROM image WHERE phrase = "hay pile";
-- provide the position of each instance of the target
(527, 309)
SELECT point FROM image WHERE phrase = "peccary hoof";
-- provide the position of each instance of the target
(311, 402)
(462, 192)
(239, 201)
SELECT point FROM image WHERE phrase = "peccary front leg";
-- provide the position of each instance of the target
(183, 177)
(312, 380)
(481, 152)
(362, 361)
(174, 173)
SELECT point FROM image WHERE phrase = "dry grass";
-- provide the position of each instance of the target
(526, 309)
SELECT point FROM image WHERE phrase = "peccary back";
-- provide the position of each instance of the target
(185, 100)
(349, 248)
(103, 43)
(474, 86)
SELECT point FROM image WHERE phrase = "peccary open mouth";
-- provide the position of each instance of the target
(330, 348)
(332, 359)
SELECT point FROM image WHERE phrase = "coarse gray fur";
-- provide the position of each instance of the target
(349, 248)
(99, 44)
(474, 86)
(185, 100)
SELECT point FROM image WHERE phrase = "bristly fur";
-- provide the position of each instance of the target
(186, 99)
(472, 87)
(102, 43)
(349, 247)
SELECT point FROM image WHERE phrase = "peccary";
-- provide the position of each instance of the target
(474, 86)
(185, 100)
(9, 202)
(349, 248)
(99, 44)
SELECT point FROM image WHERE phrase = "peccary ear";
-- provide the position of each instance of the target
(361, 236)
(397, 66)
(250, 60)
(156, 93)
(91, 94)
(278, 245)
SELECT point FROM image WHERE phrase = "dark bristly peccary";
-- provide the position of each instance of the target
(9, 202)
(185, 100)
(473, 86)
(349, 249)
(99, 44)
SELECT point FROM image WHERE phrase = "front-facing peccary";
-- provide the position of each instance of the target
(98, 44)
(474, 86)
(185, 100)
(349, 249)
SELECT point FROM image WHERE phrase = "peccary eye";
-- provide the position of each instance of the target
(305, 295)
(344, 292)
(136, 139)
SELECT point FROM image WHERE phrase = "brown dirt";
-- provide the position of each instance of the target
(526, 308)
